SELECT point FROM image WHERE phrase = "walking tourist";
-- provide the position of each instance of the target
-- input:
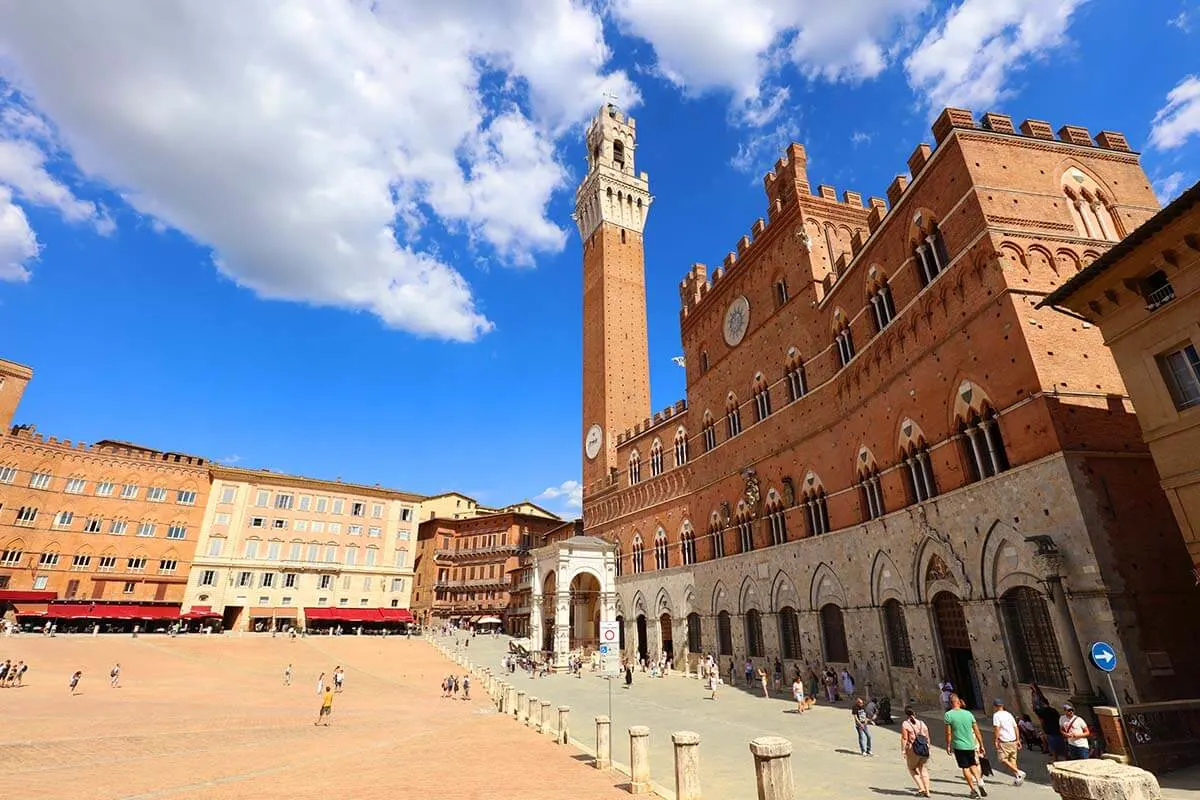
(945, 689)
(748, 668)
(714, 680)
(4, 668)
(326, 706)
(321, 683)
(963, 741)
(114, 676)
(762, 678)
(1056, 745)
(847, 683)
(466, 686)
(1007, 739)
(914, 747)
(778, 675)
(814, 684)
(339, 678)
(628, 674)
(798, 695)
(1076, 733)
(861, 725)
(732, 674)
(830, 685)
(75, 681)
(287, 675)
(1031, 734)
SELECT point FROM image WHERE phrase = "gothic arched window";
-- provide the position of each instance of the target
(656, 458)
(635, 468)
(660, 549)
(833, 634)
(899, 649)
(681, 447)
(983, 445)
(638, 554)
(1035, 648)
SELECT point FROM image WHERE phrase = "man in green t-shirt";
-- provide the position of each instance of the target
(963, 741)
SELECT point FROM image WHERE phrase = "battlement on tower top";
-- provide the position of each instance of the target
(788, 182)
(106, 447)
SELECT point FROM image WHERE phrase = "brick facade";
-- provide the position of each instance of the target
(897, 421)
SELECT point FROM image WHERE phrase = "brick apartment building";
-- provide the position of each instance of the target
(464, 568)
(111, 524)
(888, 458)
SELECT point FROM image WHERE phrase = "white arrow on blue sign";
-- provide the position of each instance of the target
(1104, 656)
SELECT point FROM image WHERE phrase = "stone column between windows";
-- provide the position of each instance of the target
(933, 255)
(987, 426)
(924, 264)
(926, 473)
(972, 432)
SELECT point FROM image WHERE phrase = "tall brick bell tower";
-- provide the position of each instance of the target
(610, 209)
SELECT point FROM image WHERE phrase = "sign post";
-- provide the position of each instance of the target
(610, 645)
(1104, 658)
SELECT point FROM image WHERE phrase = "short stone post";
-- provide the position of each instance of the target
(535, 709)
(773, 768)
(563, 712)
(687, 765)
(603, 743)
(519, 706)
(1102, 779)
(544, 718)
(639, 760)
(510, 703)
(499, 698)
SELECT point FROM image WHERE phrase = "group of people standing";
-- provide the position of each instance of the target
(12, 674)
(451, 686)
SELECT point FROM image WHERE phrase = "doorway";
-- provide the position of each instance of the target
(643, 651)
(958, 661)
(664, 629)
(231, 617)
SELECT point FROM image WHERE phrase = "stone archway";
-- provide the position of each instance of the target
(585, 611)
(958, 662)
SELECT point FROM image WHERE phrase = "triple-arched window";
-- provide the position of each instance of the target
(638, 554)
(656, 458)
(681, 447)
(733, 416)
(635, 468)
(983, 445)
(660, 549)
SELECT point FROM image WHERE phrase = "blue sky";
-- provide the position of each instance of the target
(337, 241)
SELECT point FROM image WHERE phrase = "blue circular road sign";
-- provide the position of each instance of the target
(1104, 656)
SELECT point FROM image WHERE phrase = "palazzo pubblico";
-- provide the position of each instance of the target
(887, 459)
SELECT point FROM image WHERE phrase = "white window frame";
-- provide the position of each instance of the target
(146, 529)
(105, 489)
(156, 494)
(75, 486)
(129, 491)
(39, 480)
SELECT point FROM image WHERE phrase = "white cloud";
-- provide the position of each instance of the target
(568, 494)
(860, 137)
(739, 47)
(967, 60)
(1181, 21)
(23, 167)
(1179, 119)
(18, 244)
(321, 149)
(1167, 189)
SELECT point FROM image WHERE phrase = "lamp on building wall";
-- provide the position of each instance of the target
(1049, 560)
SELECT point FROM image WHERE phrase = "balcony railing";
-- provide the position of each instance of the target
(1157, 297)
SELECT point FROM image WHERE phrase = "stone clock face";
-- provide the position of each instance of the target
(737, 319)
(593, 440)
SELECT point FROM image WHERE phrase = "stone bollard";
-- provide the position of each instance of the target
(510, 703)
(773, 768)
(687, 765)
(639, 759)
(499, 698)
(544, 718)
(603, 743)
(1102, 779)
(519, 706)
(563, 712)
(533, 712)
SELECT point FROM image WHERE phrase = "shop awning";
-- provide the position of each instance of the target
(200, 612)
(110, 611)
(345, 614)
(489, 621)
(24, 596)
(31, 610)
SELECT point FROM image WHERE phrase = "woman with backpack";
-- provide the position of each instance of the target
(914, 746)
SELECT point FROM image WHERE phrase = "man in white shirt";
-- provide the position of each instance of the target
(1076, 732)
(1007, 739)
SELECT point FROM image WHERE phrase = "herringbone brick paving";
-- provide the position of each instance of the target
(209, 717)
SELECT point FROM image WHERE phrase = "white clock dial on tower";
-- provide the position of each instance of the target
(595, 438)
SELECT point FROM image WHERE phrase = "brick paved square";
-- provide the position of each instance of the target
(209, 717)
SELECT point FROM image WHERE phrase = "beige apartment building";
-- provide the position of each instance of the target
(283, 550)
(1144, 294)
(456, 505)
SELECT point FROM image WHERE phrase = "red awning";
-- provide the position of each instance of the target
(23, 596)
(110, 611)
(200, 612)
(342, 614)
